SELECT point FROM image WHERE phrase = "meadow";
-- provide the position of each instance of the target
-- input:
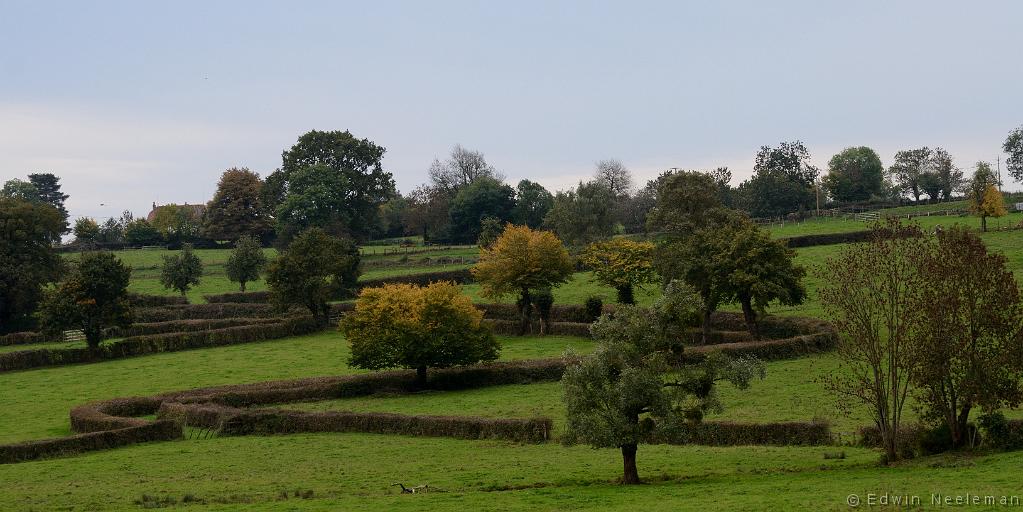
(356, 471)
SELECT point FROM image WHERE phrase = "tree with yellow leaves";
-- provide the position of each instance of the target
(622, 264)
(985, 199)
(521, 260)
(408, 326)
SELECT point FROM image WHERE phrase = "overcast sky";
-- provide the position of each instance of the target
(134, 102)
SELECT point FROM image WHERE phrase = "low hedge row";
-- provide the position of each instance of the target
(511, 328)
(827, 239)
(22, 338)
(261, 297)
(93, 441)
(202, 312)
(145, 329)
(575, 313)
(234, 421)
(722, 433)
(768, 350)
(460, 276)
(142, 300)
(157, 343)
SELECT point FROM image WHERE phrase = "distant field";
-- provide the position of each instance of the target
(822, 225)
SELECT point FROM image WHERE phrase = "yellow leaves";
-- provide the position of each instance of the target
(410, 305)
(992, 204)
(522, 258)
(620, 262)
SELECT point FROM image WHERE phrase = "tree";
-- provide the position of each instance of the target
(86, 230)
(92, 297)
(1014, 147)
(20, 189)
(909, 166)
(47, 185)
(866, 298)
(237, 207)
(427, 214)
(614, 176)
(407, 326)
(176, 224)
(685, 199)
(632, 390)
(519, 261)
(583, 215)
(141, 232)
(967, 348)
(985, 199)
(930, 184)
(312, 270)
(181, 271)
(246, 262)
(782, 183)
(622, 264)
(532, 202)
(461, 168)
(854, 174)
(950, 176)
(490, 229)
(484, 197)
(28, 262)
(632, 212)
(348, 167)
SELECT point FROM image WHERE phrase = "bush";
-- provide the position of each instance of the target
(140, 300)
(105, 440)
(458, 276)
(711, 433)
(408, 326)
(239, 297)
(22, 338)
(203, 312)
(1000, 433)
(827, 239)
(594, 308)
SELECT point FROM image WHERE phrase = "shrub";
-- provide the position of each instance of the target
(22, 338)
(239, 297)
(408, 326)
(1001, 433)
(313, 269)
(713, 433)
(594, 308)
(181, 271)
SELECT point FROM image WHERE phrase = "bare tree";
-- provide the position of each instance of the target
(615, 176)
(461, 168)
(867, 298)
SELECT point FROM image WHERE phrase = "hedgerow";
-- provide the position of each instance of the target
(22, 338)
(721, 433)
(458, 276)
(262, 297)
(93, 441)
(202, 311)
(141, 300)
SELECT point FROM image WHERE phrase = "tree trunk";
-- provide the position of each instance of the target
(182, 293)
(625, 295)
(525, 312)
(421, 377)
(983, 223)
(960, 431)
(243, 286)
(706, 325)
(93, 337)
(630, 476)
(750, 316)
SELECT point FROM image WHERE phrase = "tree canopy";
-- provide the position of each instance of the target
(314, 269)
(407, 326)
(983, 195)
(181, 271)
(237, 207)
(622, 264)
(92, 297)
(482, 198)
(854, 174)
(1014, 147)
(532, 202)
(583, 215)
(27, 260)
(782, 182)
(246, 262)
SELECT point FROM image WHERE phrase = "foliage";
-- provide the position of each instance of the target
(908, 168)
(47, 185)
(985, 199)
(427, 213)
(532, 202)
(622, 264)
(237, 207)
(854, 174)
(782, 181)
(483, 197)
(1014, 147)
(315, 268)
(86, 230)
(181, 271)
(631, 390)
(407, 326)
(968, 342)
(544, 301)
(246, 262)
(334, 167)
(462, 168)
(522, 260)
(948, 175)
(93, 296)
(19, 189)
(176, 224)
(582, 215)
(490, 229)
(614, 176)
(685, 199)
(867, 301)
(594, 308)
(27, 259)
(141, 232)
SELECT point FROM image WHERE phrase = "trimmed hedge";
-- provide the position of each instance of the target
(573, 313)
(93, 441)
(22, 338)
(157, 343)
(262, 297)
(239, 422)
(827, 239)
(142, 300)
(714, 433)
(768, 350)
(145, 329)
(511, 328)
(460, 276)
(203, 312)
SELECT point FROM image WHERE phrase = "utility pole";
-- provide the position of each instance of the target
(999, 164)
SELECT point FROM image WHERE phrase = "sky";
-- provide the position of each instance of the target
(132, 102)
